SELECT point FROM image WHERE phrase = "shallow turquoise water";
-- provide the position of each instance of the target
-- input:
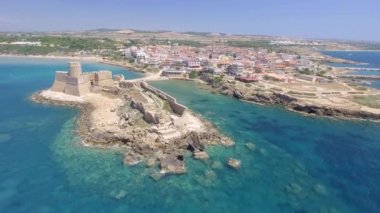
(370, 59)
(43, 169)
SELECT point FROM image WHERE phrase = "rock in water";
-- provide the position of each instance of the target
(157, 176)
(217, 165)
(227, 142)
(211, 175)
(250, 146)
(320, 189)
(151, 162)
(293, 188)
(173, 164)
(131, 160)
(234, 163)
(200, 155)
(263, 152)
(119, 195)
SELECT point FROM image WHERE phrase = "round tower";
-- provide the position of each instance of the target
(75, 69)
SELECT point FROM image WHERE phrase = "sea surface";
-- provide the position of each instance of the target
(300, 164)
(366, 59)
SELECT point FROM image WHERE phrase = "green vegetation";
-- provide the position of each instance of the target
(213, 80)
(131, 43)
(190, 43)
(167, 106)
(302, 93)
(360, 88)
(306, 71)
(74, 43)
(372, 101)
(193, 74)
(58, 44)
(26, 50)
(321, 73)
(250, 44)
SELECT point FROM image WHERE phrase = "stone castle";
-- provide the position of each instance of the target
(76, 83)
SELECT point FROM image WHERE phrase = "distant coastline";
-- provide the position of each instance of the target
(332, 50)
(83, 58)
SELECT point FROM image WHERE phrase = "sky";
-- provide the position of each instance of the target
(330, 19)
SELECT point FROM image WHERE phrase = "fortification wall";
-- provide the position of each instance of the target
(71, 89)
(103, 78)
(75, 69)
(176, 107)
(76, 83)
(84, 88)
(59, 82)
(71, 85)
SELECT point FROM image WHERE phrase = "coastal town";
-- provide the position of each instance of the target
(304, 83)
(290, 72)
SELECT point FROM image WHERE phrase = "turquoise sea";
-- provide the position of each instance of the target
(366, 59)
(300, 164)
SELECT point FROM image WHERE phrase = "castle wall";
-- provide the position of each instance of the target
(75, 69)
(77, 86)
(59, 82)
(176, 107)
(76, 83)
(103, 78)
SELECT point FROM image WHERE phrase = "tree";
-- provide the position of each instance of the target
(193, 74)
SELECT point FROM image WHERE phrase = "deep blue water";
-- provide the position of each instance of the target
(43, 169)
(368, 59)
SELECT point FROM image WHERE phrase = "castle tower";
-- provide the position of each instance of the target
(75, 69)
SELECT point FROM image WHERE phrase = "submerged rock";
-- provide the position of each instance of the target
(227, 142)
(118, 195)
(263, 152)
(320, 189)
(151, 162)
(211, 175)
(234, 163)
(200, 155)
(217, 165)
(157, 176)
(131, 160)
(250, 146)
(293, 188)
(172, 164)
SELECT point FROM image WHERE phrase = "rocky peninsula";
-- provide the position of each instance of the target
(145, 124)
(338, 100)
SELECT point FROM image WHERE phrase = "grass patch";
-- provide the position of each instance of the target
(167, 106)
(372, 101)
(302, 93)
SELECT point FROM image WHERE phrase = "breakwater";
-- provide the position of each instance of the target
(360, 68)
(371, 77)
(177, 108)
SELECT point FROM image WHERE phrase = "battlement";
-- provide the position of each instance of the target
(74, 82)
(75, 69)
(60, 76)
(103, 75)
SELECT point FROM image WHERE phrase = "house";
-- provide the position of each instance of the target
(194, 63)
(174, 73)
(235, 69)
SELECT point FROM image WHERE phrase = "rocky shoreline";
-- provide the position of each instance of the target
(292, 103)
(162, 144)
